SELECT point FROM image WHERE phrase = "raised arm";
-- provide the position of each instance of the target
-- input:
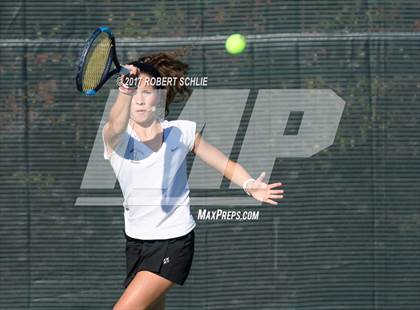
(236, 173)
(119, 116)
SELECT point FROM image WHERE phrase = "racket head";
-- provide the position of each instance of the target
(94, 67)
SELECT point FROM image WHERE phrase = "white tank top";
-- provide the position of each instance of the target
(154, 184)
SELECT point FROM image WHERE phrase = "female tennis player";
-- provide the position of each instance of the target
(148, 156)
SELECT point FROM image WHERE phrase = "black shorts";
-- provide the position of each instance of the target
(169, 258)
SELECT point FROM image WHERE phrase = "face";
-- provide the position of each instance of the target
(143, 101)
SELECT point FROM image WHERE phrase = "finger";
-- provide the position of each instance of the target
(274, 185)
(271, 202)
(277, 191)
(276, 196)
(134, 71)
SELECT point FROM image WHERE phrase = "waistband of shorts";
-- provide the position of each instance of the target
(149, 240)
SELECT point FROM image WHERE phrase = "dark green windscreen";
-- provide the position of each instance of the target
(347, 233)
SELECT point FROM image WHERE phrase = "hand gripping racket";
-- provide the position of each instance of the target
(95, 62)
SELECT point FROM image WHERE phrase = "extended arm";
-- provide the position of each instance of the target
(235, 172)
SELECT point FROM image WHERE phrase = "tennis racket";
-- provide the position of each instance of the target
(95, 64)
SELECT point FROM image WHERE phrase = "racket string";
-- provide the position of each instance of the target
(96, 62)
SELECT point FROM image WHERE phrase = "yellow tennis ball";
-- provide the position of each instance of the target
(235, 44)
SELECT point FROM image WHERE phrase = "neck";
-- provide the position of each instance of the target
(146, 130)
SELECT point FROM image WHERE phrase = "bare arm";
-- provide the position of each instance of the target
(235, 172)
(216, 159)
(118, 117)
(117, 120)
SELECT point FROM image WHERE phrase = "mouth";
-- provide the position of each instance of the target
(142, 110)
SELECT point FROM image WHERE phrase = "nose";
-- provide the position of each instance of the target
(139, 100)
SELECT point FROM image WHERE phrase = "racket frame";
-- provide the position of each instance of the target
(112, 58)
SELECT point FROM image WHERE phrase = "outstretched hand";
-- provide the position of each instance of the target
(264, 192)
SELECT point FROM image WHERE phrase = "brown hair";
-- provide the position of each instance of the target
(168, 65)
